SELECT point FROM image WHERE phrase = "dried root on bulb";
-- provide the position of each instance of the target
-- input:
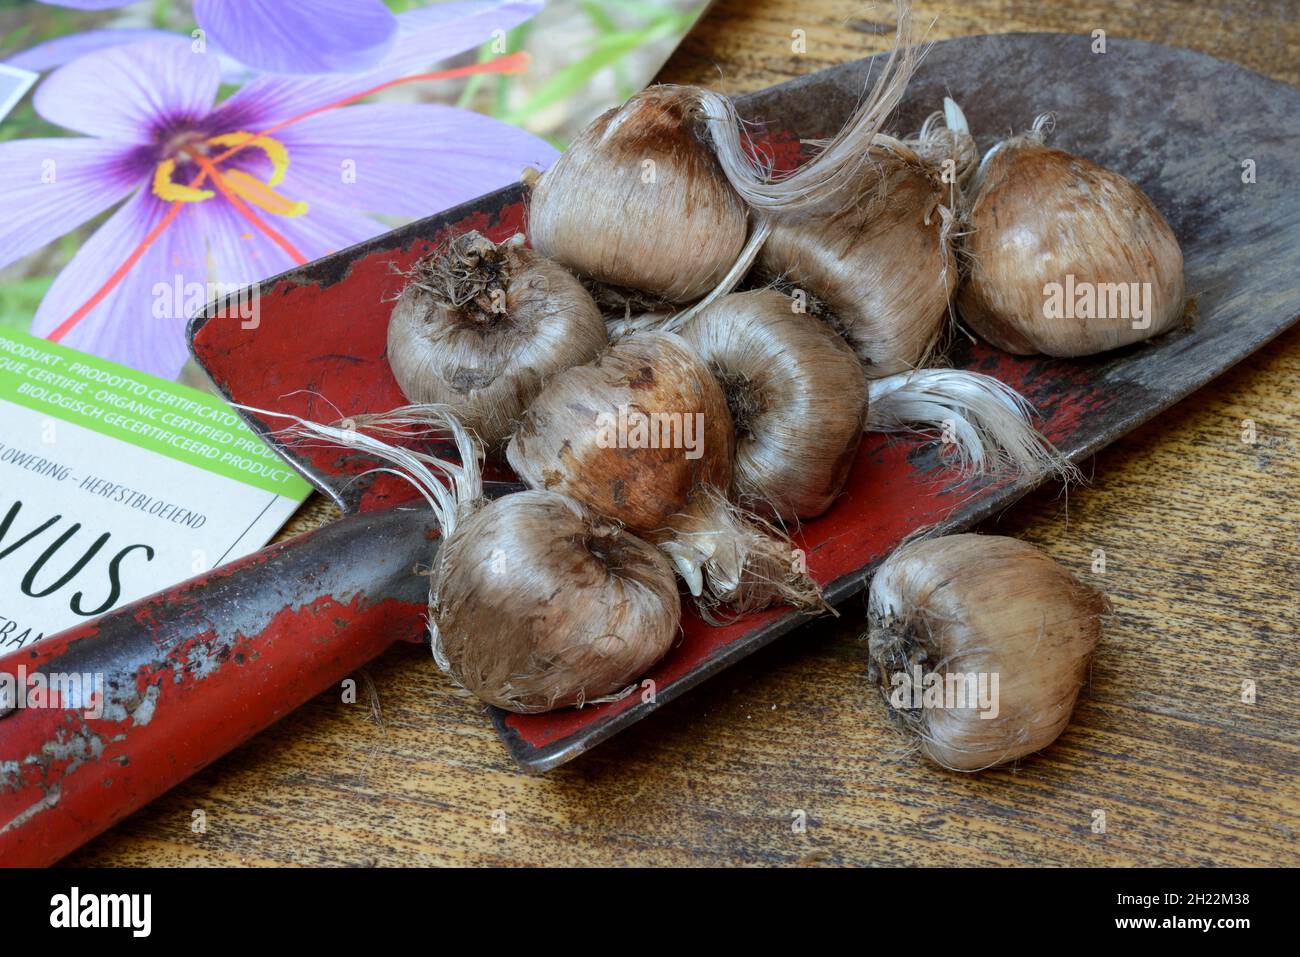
(734, 562)
(984, 423)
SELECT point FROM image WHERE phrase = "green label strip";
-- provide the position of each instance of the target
(170, 419)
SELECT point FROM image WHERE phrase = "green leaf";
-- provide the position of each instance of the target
(15, 38)
(475, 82)
(607, 51)
(603, 22)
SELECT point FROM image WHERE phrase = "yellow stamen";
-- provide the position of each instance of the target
(260, 194)
(164, 188)
(275, 151)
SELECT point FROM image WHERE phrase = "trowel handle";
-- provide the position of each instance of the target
(191, 672)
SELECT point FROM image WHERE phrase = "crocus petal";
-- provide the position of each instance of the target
(54, 53)
(137, 322)
(50, 186)
(305, 36)
(239, 253)
(61, 50)
(131, 92)
(425, 36)
(405, 159)
(328, 228)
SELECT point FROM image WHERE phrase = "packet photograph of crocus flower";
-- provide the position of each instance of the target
(648, 433)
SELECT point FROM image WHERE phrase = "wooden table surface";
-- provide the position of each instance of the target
(1202, 546)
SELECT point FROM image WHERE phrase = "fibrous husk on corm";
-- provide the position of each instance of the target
(877, 257)
(797, 397)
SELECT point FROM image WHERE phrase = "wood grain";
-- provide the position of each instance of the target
(1202, 548)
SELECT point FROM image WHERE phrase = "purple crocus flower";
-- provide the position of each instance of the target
(301, 36)
(275, 175)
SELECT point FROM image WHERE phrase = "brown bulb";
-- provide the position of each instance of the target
(797, 397)
(538, 605)
(535, 603)
(877, 257)
(639, 200)
(643, 436)
(631, 434)
(655, 195)
(998, 622)
(480, 327)
(1066, 257)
